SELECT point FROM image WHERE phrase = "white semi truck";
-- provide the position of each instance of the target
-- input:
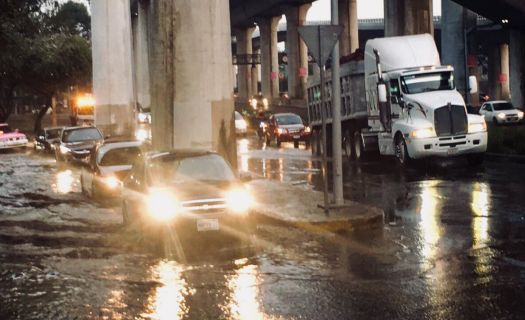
(400, 101)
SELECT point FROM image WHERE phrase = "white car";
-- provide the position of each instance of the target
(241, 127)
(500, 112)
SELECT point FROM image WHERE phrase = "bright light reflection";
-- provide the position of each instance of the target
(64, 181)
(430, 228)
(244, 286)
(281, 170)
(480, 206)
(143, 134)
(168, 300)
(243, 151)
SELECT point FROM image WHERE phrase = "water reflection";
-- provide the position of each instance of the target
(244, 286)
(243, 152)
(64, 181)
(430, 226)
(480, 207)
(168, 300)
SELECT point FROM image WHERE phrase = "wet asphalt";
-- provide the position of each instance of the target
(452, 247)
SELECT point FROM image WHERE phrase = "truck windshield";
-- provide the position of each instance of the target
(426, 82)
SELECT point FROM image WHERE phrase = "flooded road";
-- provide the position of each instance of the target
(452, 247)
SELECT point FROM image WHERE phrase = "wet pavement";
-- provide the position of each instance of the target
(452, 247)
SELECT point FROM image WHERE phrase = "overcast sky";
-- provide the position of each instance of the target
(366, 9)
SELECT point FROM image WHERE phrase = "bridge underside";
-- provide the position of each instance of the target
(498, 11)
(244, 12)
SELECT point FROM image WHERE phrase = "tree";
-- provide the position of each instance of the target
(47, 50)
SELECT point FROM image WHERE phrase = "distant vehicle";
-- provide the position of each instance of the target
(501, 112)
(144, 115)
(47, 138)
(259, 103)
(83, 110)
(111, 162)
(287, 127)
(241, 127)
(77, 143)
(11, 138)
(195, 193)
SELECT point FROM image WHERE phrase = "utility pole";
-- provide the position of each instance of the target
(337, 155)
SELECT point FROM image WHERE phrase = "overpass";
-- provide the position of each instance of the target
(175, 56)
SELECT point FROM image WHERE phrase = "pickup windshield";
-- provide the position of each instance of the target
(426, 82)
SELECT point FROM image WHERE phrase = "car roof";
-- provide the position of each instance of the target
(178, 152)
(498, 101)
(111, 145)
(285, 114)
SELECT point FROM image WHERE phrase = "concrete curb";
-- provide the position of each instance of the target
(288, 205)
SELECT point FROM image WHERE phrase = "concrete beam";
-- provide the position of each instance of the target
(407, 17)
(112, 74)
(140, 54)
(517, 67)
(191, 58)
(296, 51)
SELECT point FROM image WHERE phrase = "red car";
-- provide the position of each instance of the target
(287, 127)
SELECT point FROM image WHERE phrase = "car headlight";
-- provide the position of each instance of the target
(241, 124)
(253, 103)
(423, 133)
(239, 200)
(265, 102)
(477, 127)
(143, 117)
(111, 182)
(520, 114)
(281, 130)
(64, 149)
(142, 134)
(501, 115)
(307, 129)
(162, 205)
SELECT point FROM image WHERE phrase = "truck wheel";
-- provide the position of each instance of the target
(348, 145)
(296, 144)
(476, 159)
(403, 158)
(359, 151)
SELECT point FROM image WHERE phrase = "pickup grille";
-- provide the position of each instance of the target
(450, 120)
(205, 205)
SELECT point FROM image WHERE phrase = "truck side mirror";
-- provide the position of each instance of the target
(394, 99)
(473, 84)
(381, 93)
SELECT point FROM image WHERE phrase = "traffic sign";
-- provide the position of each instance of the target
(320, 40)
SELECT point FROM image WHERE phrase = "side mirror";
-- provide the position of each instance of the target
(245, 177)
(394, 99)
(473, 84)
(381, 93)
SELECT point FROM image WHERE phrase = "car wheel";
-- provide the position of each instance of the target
(401, 151)
(359, 151)
(348, 145)
(296, 144)
(476, 159)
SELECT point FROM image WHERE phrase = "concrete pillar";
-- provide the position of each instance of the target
(406, 17)
(191, 58)
(504, 76)
(112, 74)
(296, 52)
(244, 72)
(140, 50)
(349, 41)
(494, 72)
(255, 78)
(269, 57)
(517, 68)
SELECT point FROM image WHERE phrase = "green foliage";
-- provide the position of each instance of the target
(45, 49)
(507, 139)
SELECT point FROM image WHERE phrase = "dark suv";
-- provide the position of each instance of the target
(77, 143)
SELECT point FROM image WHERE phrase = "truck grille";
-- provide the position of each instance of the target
(450, 120)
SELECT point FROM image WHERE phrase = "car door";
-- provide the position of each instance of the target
(489, 112)
(134, 187)
(88, 174)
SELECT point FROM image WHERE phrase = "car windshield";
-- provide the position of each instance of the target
(173, 169)
(426, 82)
(5, 129)
(119, 156)
(53, 133)
(83, 134)
(289, 119)
(503, 106)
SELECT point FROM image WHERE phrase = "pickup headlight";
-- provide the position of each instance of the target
(64, 149)
(281, 130)
(241, 124)
(423, 133)
(501, 115)
(307, 129)
(239, 200)
(520, 114)
(162, 204)
(143, 117)
(477, 127)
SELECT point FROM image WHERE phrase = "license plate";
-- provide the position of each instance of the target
(207, 224)
(452, 151)
(296, 137)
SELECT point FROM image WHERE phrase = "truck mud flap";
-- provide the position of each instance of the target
(370, 142)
